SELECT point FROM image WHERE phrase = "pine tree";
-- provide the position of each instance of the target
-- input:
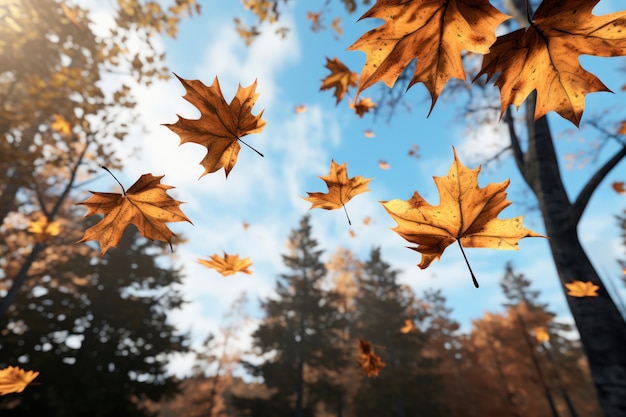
(406, 386)
(299, 335)
(97, 332)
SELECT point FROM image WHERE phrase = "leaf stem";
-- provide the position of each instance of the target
(249, 146)
(346, 211)
(468, 265)
(107, 170)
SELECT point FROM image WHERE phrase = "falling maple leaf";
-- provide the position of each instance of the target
(299, 109)
(371, 363)
(316, 23)
(15, 379)
(383, 164)
(362, 106)
(335, 25)
(340, 188)
(369, 134)
(221, 125)
(618, 186)
(582, 289)
(541, 334)
(245, 225)
(466, 213)
(61, 125)
(544, 57)
(408, 326)
(145, 204)
(367, 220)
(43, 229)
(340, 78)
(227, 265)
(434, 32)
(414, 151)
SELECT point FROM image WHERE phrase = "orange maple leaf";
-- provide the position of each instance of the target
(541, 334)
(544, 57)
(466, 213)
(618, 186)
(221, 125)
(433, 31)
(340, 78)
(382, 164)
(582, 289)
(340, 188)
(362, 106)
(15, 379)
(371, 363)
(61, 125)
(227, 265)
(145, 204)
(408, 326)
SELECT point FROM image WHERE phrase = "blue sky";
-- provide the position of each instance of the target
(266, 192)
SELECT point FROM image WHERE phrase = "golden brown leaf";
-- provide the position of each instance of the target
(340, 78)
(61, 125)
(44, 230)
(541, 334)
(340, 188)
(369, 134)
(383, 164)
(221, 125)
(371, 363)
(362, 106)
(408, 326)
(299, 109)
(466, 213)
(618, 186)
(414, 151)
(335, 25)
(316, 23)
(582, 289)
(434, 31)
(227, 265)
(544, 57)
(15, 379)
(351, 232)
(145, 204)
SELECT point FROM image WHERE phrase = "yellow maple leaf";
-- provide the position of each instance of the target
(433, 31)
(340, 188)
(541, 334)
(408, 326)
(544, 57)
(227, 265)
(221, 125)
(371, 363)
(146, 204)
(340, 78)
(582, 289)
(466, 213)
(43, 229)
(15, 379)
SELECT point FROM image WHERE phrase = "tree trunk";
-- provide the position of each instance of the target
(601, 326)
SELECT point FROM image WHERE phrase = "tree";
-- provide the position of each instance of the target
(298, 337)
(96, 331)
(531, 143)
(405, 387)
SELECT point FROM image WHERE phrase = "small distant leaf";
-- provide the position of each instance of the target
(227, 265)
(336, 26)
(367, 220)
(351, 232)
(245, 225)
(369, 134)
(61, 125)
(362, 106)
(15, 379)
(414, 151)
(408, 326)
(618, 186)
(582, 289)
(541, 334)
(315, 18)
(371, 363)
(300, 109)
(43, 229)
(383, 164)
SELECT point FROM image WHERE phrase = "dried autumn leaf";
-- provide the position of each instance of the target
(227, 265)
(300, 109)
(43, 229)
(221, 125)
(466, 213)
(622, 128)
(369, 134)
(408, 326)
(362, 106)
(316, 23)
(582, 289)
(371, 363)
(146, 204)
(618, 186)
(544, 57)
(340, 78)
(414, 151)
(383, 164)
(433, 31)
(541, 334)
(340, 188)
(351, 233)
(367, 220)
(15, 379)
(335, 25)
